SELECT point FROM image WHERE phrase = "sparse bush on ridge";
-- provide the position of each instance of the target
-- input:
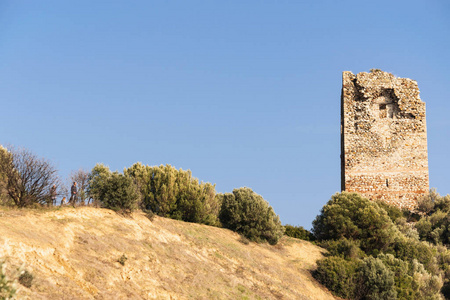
(173, 193)
(298, 232)
(113, 190)
(122, 259)
(26, 279)
(249, 214)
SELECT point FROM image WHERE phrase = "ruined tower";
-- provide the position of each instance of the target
(383, 138)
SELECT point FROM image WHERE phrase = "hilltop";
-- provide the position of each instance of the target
(75, 253)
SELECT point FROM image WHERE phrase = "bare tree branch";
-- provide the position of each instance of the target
(28, 177)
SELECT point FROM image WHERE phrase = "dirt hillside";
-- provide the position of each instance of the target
(74, 254)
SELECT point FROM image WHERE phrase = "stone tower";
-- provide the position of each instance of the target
(383, 138)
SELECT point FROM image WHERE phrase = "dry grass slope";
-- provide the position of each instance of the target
(74, 253)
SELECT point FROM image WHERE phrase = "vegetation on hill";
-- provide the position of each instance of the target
(27, 181)
(112, 189)
(298, 232)
(173, 193)
(249, 214)
(375, 251)
(95, 253)
(373, 257)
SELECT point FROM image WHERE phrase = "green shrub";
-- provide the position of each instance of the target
(244, 240)
(394, 263)
(173, 193)
(338, 275)
(407, 229)
(298, 232)
(122, 259)
(7, 286)
(405, 285)
(348, 249)
(26, 279)
(348, 215)
(433, 202)
(393, 212)
(409, 250)
(375, 280)
(97, 181)
(114, 191)
(428, 284)
(249, 214)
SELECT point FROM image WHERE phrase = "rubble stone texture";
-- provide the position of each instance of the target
(383, 138)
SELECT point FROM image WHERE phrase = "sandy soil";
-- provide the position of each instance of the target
(74, 254)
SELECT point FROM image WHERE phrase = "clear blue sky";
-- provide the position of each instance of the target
(243, 93)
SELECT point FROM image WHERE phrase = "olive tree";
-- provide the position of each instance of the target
(249, 214)
(112, 190)
(350, 216)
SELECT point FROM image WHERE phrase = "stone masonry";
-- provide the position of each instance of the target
(383, 138)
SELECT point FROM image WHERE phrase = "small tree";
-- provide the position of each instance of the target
(120, 193)
(298, 232)
(112, 190)
(348, 215)
(81, 177)
(28, 177)
(376, 281)
(249, 214)
(97, 181)
(338, 275)
(174, 193)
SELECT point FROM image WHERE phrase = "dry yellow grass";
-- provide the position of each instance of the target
(74, 253)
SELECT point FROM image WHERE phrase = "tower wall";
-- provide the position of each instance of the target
(383, 138)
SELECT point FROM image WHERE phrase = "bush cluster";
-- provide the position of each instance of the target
(173, 193)
(298, 232)
(434, 226)
(168, 192)
(249, 214)
(374, 253)
(26, 180)
(113, 190)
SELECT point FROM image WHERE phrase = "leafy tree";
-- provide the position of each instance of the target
(113, 190)
(298, 232)
(338, 275)
(27, 178)
(174, 193)
(405, 285)
(433, 202)
(393, 212)
(434, 227)
(348, 249)
(376, 281)
(348, 215)
(249, 214)
(120, 193)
